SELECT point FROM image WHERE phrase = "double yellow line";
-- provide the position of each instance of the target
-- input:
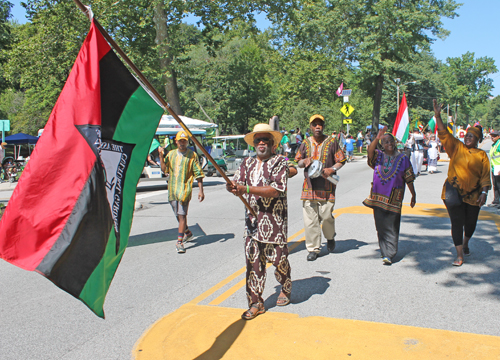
(226, 294)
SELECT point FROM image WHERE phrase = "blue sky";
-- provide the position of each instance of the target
(474, 30)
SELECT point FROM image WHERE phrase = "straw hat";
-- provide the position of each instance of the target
(263, 128)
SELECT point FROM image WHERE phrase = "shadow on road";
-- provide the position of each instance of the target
(200, 238)
(436, 253)
(223, 342)
(342, 246)
(302, 290)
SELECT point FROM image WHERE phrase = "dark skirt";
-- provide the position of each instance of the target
(387, 224)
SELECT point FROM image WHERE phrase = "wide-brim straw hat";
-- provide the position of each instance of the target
(263, 128)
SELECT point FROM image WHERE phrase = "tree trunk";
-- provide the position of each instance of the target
(169, 77)
(377, 100)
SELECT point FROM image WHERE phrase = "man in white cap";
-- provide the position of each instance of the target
(318, 194)
(262, 180)
(183, 166)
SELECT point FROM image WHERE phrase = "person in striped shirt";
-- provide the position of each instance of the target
(183, 166)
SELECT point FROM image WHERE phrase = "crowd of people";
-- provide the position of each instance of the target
(262, 182)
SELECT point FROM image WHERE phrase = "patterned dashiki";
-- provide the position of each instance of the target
(183, 169)
(389, 179)
(329, 153)
(272, 213)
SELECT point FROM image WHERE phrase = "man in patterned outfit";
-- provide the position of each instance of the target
(262, 180)
(183, 166)
(318, 195)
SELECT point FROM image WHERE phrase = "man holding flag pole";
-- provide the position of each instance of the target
(74, 228)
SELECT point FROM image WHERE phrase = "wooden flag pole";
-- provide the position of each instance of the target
(160, 100)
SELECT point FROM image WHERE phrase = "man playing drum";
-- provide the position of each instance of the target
(318, 194)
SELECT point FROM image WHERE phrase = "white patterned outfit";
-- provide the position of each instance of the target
(266, 235)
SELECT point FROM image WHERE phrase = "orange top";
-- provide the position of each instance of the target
(469, 169)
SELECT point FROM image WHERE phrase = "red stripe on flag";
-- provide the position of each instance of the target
(59, 167)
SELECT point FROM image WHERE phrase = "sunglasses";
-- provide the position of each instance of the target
(265, 140)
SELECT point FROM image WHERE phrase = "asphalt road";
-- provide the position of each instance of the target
(421, 289)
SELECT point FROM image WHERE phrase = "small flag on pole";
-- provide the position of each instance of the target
(402, 125)
(433, 125)
(339, 90)
(70, 215)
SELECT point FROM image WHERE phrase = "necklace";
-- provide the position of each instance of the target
(388, 163)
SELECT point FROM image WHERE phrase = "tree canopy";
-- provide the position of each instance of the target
(225, 67)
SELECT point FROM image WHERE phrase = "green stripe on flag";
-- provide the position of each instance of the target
(137, 125)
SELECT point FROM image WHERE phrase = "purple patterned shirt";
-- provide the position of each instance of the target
(389, 179)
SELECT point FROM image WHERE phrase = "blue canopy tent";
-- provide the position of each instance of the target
(21, 139)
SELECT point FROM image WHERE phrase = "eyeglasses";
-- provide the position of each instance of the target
(265, 140)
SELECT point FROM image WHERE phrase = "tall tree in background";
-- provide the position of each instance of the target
(388, 32)
(467, 81)
(233, 87)
(5, 38)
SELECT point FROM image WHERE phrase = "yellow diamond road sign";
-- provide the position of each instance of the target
(347, 109)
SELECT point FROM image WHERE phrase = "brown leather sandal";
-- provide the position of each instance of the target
(283, 300)
(249, 315)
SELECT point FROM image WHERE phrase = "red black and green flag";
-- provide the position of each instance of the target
(69, 217)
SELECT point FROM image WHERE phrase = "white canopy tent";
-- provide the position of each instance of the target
(168, 125)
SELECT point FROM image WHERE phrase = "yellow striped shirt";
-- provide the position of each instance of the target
(183, 169)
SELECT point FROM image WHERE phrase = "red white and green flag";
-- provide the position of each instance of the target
(402, 124)
(69, 217)
(433, 125)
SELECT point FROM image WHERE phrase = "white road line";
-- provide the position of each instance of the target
(154, 193)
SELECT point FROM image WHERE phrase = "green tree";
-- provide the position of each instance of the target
(5, 38)
(389, 32)
(493, 114)
(467, 81)
(232, 87)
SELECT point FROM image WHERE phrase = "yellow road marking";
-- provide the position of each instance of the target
(226, 281)
(218, 335)
(225, 295)
(213, 332)
(432, 210)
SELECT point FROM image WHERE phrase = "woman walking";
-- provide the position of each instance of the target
(432, 154)
(392, 171)
(467, 184)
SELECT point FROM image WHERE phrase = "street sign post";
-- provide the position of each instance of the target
(5, 126)
(347, 109)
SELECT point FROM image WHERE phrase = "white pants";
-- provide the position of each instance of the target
(417, 158)
(317, 213)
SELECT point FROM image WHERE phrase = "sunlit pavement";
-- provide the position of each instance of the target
(199, 331)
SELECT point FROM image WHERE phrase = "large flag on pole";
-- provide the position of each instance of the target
(402, 124)
(69, 217)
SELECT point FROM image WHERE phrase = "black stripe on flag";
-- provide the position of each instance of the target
(117, 86)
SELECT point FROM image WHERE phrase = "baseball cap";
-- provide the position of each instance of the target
(316, 116)
(495, 133)
(181, 135)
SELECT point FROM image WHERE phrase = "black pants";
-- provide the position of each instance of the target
(463, 219)
(387, 224)
(496, 188)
